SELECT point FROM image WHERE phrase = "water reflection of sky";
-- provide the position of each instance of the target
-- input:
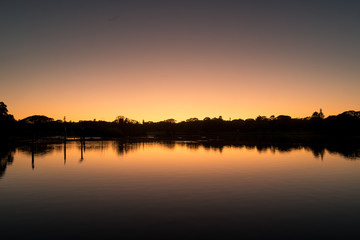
(122, 148)
(134, 188)
(347, 151)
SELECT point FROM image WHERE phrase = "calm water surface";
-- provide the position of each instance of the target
(180, 189)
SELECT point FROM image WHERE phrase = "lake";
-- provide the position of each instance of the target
(181, 189)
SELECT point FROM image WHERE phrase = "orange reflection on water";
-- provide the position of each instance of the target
(189, 183)
(169, 163)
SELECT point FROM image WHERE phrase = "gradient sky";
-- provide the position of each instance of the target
(156, 60)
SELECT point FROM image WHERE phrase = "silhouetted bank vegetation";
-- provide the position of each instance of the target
(346, 124)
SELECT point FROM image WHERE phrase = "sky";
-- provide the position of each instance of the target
(155, 60)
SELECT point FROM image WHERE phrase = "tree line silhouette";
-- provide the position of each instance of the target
(39, 126)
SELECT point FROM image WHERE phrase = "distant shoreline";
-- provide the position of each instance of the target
(317, 127)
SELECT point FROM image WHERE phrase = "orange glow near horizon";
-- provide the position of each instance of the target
(179, 92)
(168, 61)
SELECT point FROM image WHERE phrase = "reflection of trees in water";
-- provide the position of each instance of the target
(6, 158)
(214, 147)
(351, 151)
(195, 145)
(123, 148)
(191, 145)
(317, 150)
(38, 149)
(169, 144)
(348, 151)
(89, 145)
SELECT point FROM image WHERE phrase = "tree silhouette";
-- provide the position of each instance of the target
(35, 119)
(7, 122)
(318, 114)
(170, 120)
(3, 109)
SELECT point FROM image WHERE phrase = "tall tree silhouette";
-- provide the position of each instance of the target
(3, 109)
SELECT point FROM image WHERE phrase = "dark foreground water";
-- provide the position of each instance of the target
(109, 189)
